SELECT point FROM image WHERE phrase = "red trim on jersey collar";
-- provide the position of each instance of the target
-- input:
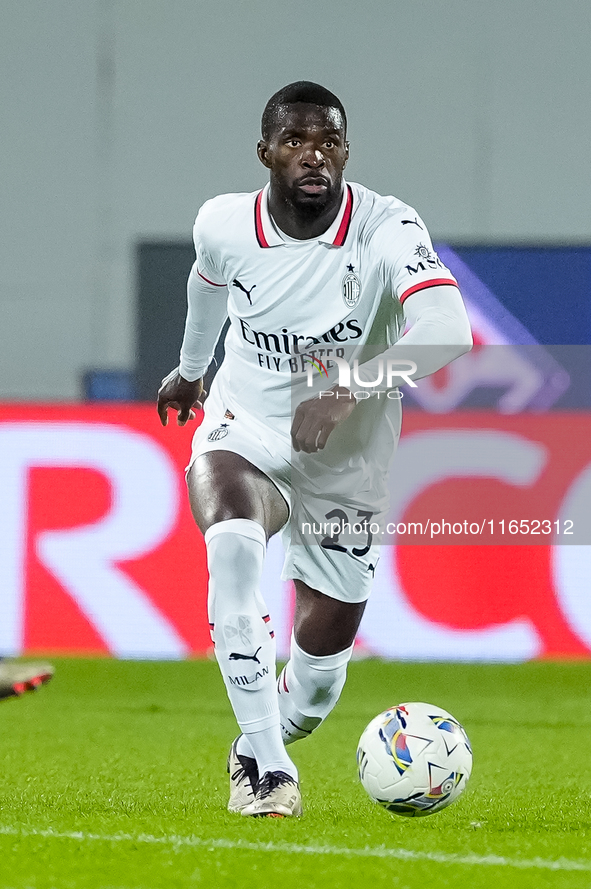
(341, 234)
(435, 282)
(258, 222)
(345, 221)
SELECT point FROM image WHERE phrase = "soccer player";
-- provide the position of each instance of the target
(18, 677)
(308, 269)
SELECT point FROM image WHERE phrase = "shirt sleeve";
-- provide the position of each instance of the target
(205, 260)
(439, 332)
(207, 310)
(407, 261)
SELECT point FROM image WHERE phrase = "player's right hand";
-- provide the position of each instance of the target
(181, 395)
(315, 418)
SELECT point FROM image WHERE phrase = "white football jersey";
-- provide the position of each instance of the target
(290, 300)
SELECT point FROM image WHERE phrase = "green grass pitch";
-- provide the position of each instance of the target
(113, 777)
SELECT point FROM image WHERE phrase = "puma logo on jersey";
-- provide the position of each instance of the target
(236, 283)
(414, 221)
(236, 656)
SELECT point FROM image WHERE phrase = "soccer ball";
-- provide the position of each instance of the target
(414, 759)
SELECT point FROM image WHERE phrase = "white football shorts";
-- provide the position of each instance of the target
(329, 538)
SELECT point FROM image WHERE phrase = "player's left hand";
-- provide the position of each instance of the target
(315, 419)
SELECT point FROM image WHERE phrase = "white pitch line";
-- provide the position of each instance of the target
(558, 864)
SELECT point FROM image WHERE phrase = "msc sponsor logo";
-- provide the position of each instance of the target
(426, 261)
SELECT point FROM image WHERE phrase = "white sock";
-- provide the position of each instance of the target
(309, 688)
(244, 648)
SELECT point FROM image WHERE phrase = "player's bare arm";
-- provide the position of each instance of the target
(181, 395)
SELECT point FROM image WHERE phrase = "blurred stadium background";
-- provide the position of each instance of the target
(120, 118)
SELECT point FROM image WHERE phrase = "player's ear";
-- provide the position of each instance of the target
(346, 154)
(263, 153)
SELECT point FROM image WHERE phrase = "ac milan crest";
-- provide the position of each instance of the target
(351, 289)
(218, 433)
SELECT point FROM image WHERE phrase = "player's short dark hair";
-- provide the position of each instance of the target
(300, 91)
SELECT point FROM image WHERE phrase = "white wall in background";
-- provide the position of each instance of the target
(120, 117)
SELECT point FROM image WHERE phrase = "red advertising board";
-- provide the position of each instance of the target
(100, 553)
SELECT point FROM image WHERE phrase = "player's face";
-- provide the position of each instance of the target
(306, 154)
